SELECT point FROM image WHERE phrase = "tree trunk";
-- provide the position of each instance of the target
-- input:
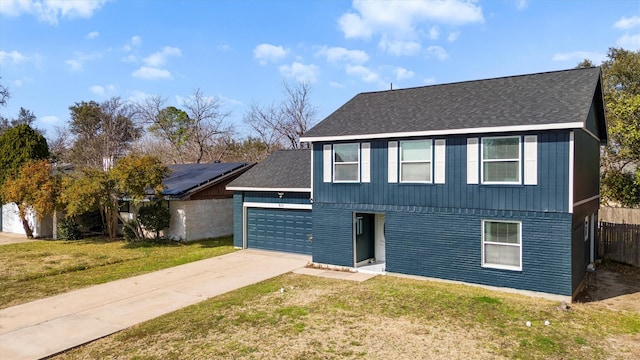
(22, 213)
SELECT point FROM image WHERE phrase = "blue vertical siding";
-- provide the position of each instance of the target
(587, 166)
(237, 218)
(273, 198)
(550, 195)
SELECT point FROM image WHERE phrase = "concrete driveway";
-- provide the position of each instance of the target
(48, 326)
(10, 238)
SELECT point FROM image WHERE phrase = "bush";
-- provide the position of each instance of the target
(68, 229)
(154, 217)
(128, 230)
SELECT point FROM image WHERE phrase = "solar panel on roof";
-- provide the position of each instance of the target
(185, 177)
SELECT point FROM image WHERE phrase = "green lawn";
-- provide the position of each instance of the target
(304, 317)
(34, 270)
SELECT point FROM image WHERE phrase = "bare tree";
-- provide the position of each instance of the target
(281, 124)
(190, 135)
(102, 131)
(208, 124)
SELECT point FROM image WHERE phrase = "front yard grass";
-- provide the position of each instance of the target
(304, 317)
(33, 270)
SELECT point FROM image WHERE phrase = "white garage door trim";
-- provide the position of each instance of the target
(246, 205)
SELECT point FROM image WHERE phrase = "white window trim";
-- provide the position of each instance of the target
(519, 159)
(333, 160)
(429, 160)
(498, 266)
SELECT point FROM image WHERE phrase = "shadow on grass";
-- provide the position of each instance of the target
(205, 243)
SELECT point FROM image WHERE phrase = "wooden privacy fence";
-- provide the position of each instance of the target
(620, 242)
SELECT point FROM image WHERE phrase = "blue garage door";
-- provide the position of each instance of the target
(279, 230)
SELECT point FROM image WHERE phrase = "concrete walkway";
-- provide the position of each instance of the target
(48, 326)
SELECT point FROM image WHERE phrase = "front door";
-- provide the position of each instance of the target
(364, 237)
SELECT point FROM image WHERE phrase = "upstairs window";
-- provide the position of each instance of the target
(346, 162)
(501, 160)
(415, 161)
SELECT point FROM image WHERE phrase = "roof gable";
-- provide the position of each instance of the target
(559, 99)
(282, 170)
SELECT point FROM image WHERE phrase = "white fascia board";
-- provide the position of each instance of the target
(482, 130)
(242, 188)
(277, 206)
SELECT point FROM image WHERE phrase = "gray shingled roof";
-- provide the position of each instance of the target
(284, 169)
(185, 178)
(536, 99)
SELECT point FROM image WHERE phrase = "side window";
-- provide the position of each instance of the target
(346, 162)
(501, 160)
(415, 161)
(502, 244)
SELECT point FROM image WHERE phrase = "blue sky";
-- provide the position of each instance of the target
(54, 53)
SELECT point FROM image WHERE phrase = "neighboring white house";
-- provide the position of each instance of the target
(199, 204)
(42, 228)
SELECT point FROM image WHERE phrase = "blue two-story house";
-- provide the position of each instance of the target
(492, 182)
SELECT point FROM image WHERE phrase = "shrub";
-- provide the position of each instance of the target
(68, 229)
(128, 230)
(154, 217)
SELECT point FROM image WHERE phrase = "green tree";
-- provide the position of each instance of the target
(133, 177)
(18, 145)
(621, 157)
(34, 189)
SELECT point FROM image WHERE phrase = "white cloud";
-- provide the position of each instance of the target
(11, 57)
(402, 73)
(223, 47)
(93, 35)
(51, 11)
(434, 33)
(336, 85)
(339, 54)
(521, 4)
(403, 16)
(134, 42)
(79, 58)
(151, 73)
(627, 23)
(578, 56)
(265, 53)
(160, 58)
(366, 74)
(102, 90)
(300, 72)
(437, 51)
(630, 42)
(453, 36)
(399, 47)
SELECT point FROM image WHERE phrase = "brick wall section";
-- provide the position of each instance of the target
(446, 244)
(200, 219)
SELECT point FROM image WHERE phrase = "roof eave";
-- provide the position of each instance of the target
(445, 132)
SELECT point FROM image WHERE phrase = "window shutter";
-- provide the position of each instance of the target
(531, 160)
(393, 161)
(326, 163)
(439, 163)
(366, 168)
(472, 160)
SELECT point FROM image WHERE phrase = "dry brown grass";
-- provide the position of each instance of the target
(382, 318)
